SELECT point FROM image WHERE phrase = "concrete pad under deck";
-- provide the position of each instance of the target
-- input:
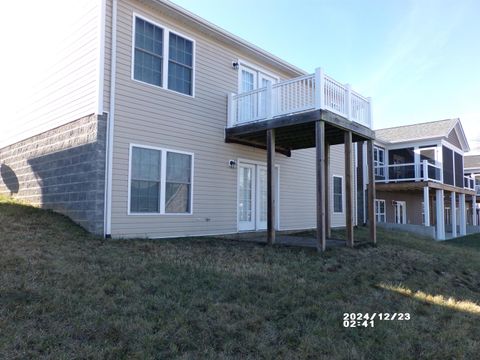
(286, 239)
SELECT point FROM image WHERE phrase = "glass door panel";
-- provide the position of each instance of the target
(246, 197)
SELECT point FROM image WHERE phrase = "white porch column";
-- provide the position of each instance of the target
(463, 215)
(453, 201)
(426, 205)
(440, 215)
(474, 210)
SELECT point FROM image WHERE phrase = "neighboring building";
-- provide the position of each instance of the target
(133, 135)
(472, 169)
(420, 181)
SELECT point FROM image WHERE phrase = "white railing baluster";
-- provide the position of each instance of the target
(348, 95)
(316, 91)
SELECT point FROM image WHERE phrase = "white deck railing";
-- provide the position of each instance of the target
(423, 171)
(309, 92)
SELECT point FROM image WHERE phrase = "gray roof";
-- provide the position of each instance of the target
(428, 130)
(471, 161)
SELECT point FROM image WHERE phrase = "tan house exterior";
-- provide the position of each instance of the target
(165, 103)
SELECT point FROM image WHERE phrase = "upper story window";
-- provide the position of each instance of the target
(160, 181)
(162, 57)
(180, 64)
(379, 161)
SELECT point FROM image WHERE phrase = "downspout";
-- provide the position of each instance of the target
(110, 125)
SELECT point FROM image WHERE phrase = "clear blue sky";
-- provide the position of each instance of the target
(419, 60)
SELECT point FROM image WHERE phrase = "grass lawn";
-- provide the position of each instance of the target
(66, 294)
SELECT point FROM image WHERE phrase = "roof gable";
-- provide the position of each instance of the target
(449, 129)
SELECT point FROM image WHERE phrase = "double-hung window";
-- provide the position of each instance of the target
(162, 57)
(337, 194)
(380, 211)
(160, 181)
(379, 161)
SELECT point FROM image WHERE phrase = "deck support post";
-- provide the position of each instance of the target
(463, 217)
(371, 193)
(320, 172)
(348, 188)
(453, 207)
(328, 221)
(426, 205)
(440, 214)
(270, 186)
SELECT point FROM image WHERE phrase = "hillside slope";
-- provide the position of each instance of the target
(64, 294)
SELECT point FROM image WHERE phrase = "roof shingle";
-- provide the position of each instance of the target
(434, 129)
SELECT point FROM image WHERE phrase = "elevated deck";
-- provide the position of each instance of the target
(292, 107)
(306, 112)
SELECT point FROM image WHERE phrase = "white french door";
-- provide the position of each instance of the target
(246, 197)
(263, 82)
(400, 212)
(247, 105)
(252, 196)
(254, 106)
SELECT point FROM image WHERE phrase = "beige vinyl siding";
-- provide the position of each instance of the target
(69, 89)
(157, 117)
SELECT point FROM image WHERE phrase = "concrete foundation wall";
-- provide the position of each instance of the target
(473, 229)
(62, 169)
(428, 231)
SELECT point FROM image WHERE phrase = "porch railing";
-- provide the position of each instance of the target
(423, 171)
(309, 92)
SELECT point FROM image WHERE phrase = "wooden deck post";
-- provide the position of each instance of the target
(348, 188)
(371, 193)
(270, 186)
(328, 221)
(320, 164)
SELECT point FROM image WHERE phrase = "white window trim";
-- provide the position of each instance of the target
(380, 213)
(333, 194)
(163, 178)
(166, 40)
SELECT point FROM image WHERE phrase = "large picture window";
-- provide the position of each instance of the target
(162, 57)
(337, 194)
(160, 181)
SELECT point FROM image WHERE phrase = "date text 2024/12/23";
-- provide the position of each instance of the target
(351, 320)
